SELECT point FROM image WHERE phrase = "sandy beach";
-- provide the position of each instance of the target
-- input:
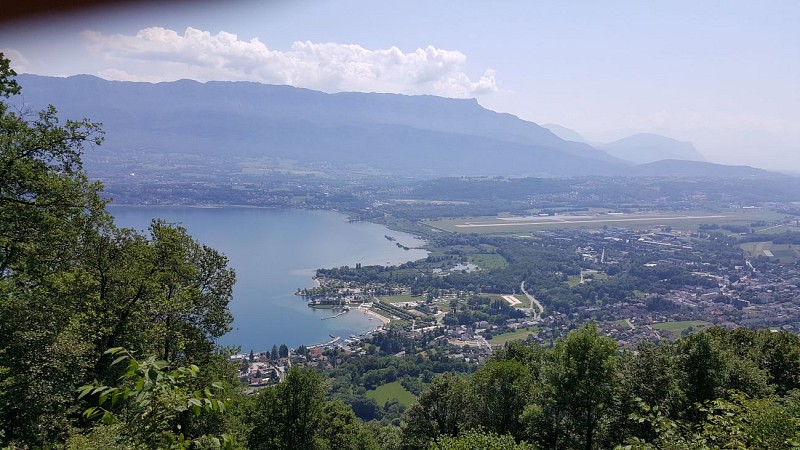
(369, 312)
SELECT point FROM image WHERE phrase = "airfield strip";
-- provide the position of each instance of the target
(556, 221)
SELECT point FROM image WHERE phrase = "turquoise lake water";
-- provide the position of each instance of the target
(275, 252)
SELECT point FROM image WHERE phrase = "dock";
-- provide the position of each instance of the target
(337, 314)
(325, 344)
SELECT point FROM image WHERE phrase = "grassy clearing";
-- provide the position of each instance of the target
(488, 261)
(391, 391)
(574, 280)
(522, 298)
(381, 313)
(621, 323)
(676, 328)
(518, 335)
(401, 298)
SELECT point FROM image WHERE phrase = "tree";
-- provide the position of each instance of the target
(289, 415)
(283, 351)
(443, 408)
(165, 294)
(47, 207)
(72, 285)
(710, 368)
(740, 422)
(577, 388)
(649, 376)
(340, 429)
(780, 356)
(501, 389)
(273, 355)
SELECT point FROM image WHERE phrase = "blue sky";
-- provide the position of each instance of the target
(724, 75)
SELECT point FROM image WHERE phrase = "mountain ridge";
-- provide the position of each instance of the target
(642, 148)
(427, 136)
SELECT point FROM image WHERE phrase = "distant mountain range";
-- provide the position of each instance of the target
(640, 148)
(567, 134)
(647, 148)
(422, 136)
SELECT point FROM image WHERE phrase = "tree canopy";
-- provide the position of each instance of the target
(73, 285)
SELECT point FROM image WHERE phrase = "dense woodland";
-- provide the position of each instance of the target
(107, 340)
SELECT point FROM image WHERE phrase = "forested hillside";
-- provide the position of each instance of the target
(107, 340)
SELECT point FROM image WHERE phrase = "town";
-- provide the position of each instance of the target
(474, 293)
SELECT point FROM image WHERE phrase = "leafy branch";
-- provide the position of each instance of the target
(148, 399)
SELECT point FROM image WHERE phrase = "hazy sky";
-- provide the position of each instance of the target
(722, 74)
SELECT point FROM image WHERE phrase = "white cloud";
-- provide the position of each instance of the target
(18, 62)
(160, 54)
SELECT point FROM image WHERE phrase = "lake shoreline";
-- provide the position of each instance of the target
(271, 251)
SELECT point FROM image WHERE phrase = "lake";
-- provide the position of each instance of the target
(275, 252)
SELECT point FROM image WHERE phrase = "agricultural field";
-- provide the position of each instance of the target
(391, 391)
(686, 220)
(518, 335)
(785, 253)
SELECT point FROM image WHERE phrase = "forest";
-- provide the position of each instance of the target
(108, 340)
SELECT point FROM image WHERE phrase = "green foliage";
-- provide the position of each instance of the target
(148, 401)
(288, 415)
(295, 414)
(393, 391)
(47, 206)
(8, 86)
(72, 285)
(477, 440)
(577, 382)
(444, 408)
(501, 390)
(741, 422)
(340, 429)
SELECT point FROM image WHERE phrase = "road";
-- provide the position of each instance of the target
(484, 343)
(537, 315)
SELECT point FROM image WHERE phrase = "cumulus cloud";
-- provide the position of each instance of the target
(160, 54)
(18, 62)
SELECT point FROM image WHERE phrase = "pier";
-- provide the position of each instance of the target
(345, 311)
(332, 341)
